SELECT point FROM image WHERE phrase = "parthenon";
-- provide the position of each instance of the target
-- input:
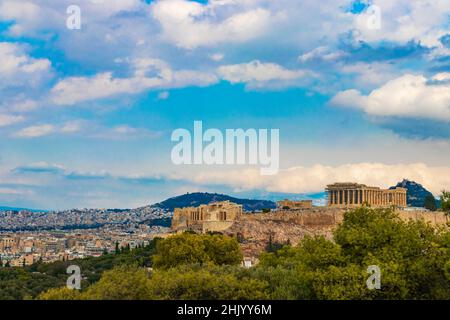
(349, 194)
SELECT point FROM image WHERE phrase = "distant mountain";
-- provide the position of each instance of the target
(416, 194)
(318, 198)
(20, 209)
(197, 198)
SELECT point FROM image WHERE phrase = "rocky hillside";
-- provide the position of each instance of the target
(197, 198)
(416, 194)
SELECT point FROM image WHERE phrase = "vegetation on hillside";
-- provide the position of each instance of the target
(29, 282)
(413, 258)
(445, 202)
(195, 199)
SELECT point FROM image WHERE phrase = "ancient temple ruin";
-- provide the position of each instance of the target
(216, 216)
(349, 194)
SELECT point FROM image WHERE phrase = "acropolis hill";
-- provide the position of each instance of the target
(292, 220)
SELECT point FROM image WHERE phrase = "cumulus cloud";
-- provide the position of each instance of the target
(369, 74)
(256, 73)
(316, 177)
(87, 129)
(217, 57)
(31, 16)
(189, 24)
(17, 68)
(148, 74)
(36, 131)
(403, 20)
(322, 53)
(6, 119)
(412, 96)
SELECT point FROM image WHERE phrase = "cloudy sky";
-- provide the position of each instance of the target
(86, 115)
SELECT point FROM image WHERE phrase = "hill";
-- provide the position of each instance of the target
(197, 198)
(416, 194)
(20, 209)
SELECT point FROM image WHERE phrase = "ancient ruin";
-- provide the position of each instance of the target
(293, 220)
(216, 216)
(349, 194)
(294, 204)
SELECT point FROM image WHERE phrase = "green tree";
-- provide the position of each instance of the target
(190, 248)
(445, 202)
(430, 203)
(411, 253)
(120, 283)
(413, 258)
(62, 293)
(206, 282)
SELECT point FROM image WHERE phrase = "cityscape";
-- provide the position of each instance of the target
(28, 237)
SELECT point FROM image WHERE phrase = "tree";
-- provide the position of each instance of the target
(62, 293)
(445, 202)
(412, 257)
(273, 246)
(430, 203)
(190, 248)
(209, 282)
(411, 254)
(120, 283)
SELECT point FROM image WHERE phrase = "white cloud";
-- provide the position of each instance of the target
(256, 73)
(31, 16)
(6, 120)
(405, 20)
(23, 105)
(190, 24)
(19, 69)
(36, 131)
(148, 74)
(72, 127)
(322, 53)
(9, 191)
(217, 57)
(316, 177)
(88, 129)
(406, 96)
(369, 74)
(72, 90)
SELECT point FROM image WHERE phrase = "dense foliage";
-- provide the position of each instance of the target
(191, 248)
(445, 202)
(430, 203)
(28, 282)
(413, 258)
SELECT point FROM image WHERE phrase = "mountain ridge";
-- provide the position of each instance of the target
(416, 193)
(195, 199)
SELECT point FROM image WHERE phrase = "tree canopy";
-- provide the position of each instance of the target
(413, 259)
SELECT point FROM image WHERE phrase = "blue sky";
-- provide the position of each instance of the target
(86, 115)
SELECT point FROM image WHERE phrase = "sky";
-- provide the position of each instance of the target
(359, 90)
